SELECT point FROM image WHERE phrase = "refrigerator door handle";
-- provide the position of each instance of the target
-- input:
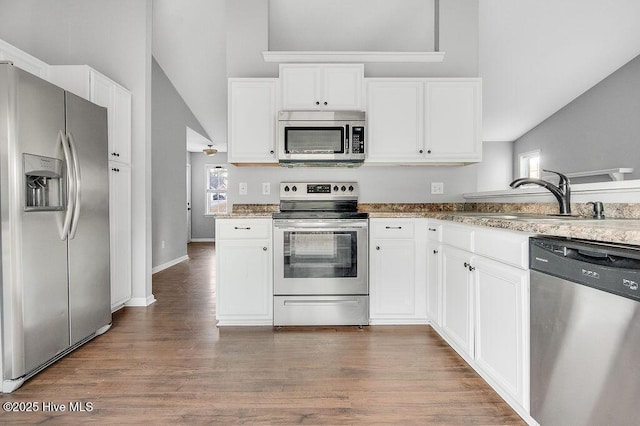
(71, 186)
(78, 181)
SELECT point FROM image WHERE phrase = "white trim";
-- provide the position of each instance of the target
(169, 264)
(614, 174)
(141, 301)
(351, 56)
(398, 321)
(203, 240)
(616, 191)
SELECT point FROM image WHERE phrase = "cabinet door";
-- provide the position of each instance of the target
(342, 87)
(120, 144)
(301, 87)
(392, 282)
(453, 120)
(252, 120)
(244, 282)
(457, 319)
(117, 100)
(394, 120)
(433, 283)
(501, 327)
(120, 234)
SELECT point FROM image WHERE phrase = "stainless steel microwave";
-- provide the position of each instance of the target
(321, 137)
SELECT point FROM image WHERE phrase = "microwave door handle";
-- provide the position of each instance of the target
(346, 139)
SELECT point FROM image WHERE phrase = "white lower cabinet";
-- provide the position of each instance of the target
(120, 225)
(501, 349)
(244, 272)
(434, 260)
(396, 283)
(484, 300)
(457, 300)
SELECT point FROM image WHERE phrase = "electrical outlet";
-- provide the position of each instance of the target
(242, 188)
(162, 244)
(437, 187)
(266, 188)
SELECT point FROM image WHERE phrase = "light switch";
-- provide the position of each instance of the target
(266, 188)
(242, 188)
(437, 187)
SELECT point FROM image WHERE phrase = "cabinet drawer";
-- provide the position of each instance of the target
(392, 229)
(458, 236)
(504, 246)
(434, 231)
(243, 229)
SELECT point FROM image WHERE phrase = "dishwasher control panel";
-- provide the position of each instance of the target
(608, 267)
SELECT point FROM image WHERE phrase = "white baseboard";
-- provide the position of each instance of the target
(141, 301)
(169, 264)
(202, 240)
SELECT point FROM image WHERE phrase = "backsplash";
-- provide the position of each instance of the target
(611, 210)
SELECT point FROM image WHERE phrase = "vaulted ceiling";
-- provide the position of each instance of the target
(535, 56)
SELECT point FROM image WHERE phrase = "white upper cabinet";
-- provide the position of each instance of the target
(453, 120)
(252, 109)
(422, 121)
(322, 87)
(88, 83)
(23, 60)
(394, 120)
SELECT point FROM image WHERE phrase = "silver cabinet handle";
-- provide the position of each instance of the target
(240, 227)
(264, 249)
(393, 227)
(377, 247)
(435, 252)
(433, 229)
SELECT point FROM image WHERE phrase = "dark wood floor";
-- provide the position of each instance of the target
(169, 364)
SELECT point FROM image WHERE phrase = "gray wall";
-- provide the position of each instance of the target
(248, 36)
(598, 130)
(114, 37)
(170, 118)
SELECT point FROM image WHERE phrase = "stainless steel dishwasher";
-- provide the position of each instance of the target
(585, 332)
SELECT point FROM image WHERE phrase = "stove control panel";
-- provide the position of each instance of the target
(319, 191)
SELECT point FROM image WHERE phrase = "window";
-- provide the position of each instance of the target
(530, 164)
(216, 190)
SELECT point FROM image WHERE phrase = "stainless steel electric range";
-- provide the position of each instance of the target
(320, 255)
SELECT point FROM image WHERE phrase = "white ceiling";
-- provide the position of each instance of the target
(535, 56)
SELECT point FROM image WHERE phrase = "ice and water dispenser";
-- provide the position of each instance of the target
(43, 183)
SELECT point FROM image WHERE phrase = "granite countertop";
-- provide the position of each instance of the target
(617, 230)
(610, 230)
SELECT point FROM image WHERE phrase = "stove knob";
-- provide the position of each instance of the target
(335, 188)
(351, 188)
(294, 188)
(286, 188)
(344, 188)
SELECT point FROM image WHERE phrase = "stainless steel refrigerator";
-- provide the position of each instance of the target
(54, 211)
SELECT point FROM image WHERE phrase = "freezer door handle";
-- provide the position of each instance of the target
(71, 186)
(78, 184)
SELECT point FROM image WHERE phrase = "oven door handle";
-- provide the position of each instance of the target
(320, 302)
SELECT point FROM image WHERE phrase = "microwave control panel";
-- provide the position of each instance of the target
(357, 140)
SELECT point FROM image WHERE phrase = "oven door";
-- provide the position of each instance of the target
(321, 257)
